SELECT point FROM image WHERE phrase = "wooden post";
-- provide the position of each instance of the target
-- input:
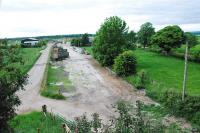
(44, 109)
(185, 72)
(65, 128)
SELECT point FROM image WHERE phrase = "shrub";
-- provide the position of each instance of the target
(85, 39)
(125, 64)
(140, 80)
(189, 108)
(76, 42)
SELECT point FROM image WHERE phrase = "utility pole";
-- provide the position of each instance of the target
(185, 71)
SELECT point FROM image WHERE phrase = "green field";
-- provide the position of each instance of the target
(88, 49)
(30, 56)
(29, 123)
(56, 75)
(167, 72)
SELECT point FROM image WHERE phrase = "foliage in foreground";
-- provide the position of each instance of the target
(125, 64)
(12, 79)
(30, 123)
(110, 40)
(189, 108)
(129, 120)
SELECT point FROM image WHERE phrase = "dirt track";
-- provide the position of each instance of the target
(96, 89)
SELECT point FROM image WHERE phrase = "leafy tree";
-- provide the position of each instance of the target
(131, 38)
(12, 79)
(110, 40)
(76, 42)
(85, 39)
(192, 39)
(125, 64)
(168, 38)
(145, 33)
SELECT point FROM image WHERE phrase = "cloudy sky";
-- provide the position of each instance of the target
(49, 17)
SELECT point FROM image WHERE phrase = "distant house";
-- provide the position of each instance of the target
(29, 42)
(91, 39)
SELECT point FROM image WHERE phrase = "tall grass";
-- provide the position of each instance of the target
(30, 123)
(30, 56)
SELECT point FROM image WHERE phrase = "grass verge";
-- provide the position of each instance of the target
(88, 49)
(57, 81)
(29, 123)
(30, 56)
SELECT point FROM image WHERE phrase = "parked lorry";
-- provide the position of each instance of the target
(59, 52)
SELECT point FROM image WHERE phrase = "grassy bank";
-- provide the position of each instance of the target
(30, 56)
(57, 82)
(29, 123)
(167, 72)
(88, 49)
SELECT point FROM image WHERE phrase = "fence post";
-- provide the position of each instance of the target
(44, 109)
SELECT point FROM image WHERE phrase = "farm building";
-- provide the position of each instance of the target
(29, 42)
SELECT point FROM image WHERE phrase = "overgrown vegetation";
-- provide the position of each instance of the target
(166, 74)
(32, 122)
(125, 64)
(129, 120)
(140, 80)
(12, 79)
(189, 108)
(57, 82)
(81, 42)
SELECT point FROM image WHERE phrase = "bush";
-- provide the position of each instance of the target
(189, 108)
(125, 64)
(140, 80)
(76, 42)
(195, 51)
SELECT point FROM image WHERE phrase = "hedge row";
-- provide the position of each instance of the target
(189, 108)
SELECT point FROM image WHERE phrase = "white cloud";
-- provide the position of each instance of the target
(49, 17)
